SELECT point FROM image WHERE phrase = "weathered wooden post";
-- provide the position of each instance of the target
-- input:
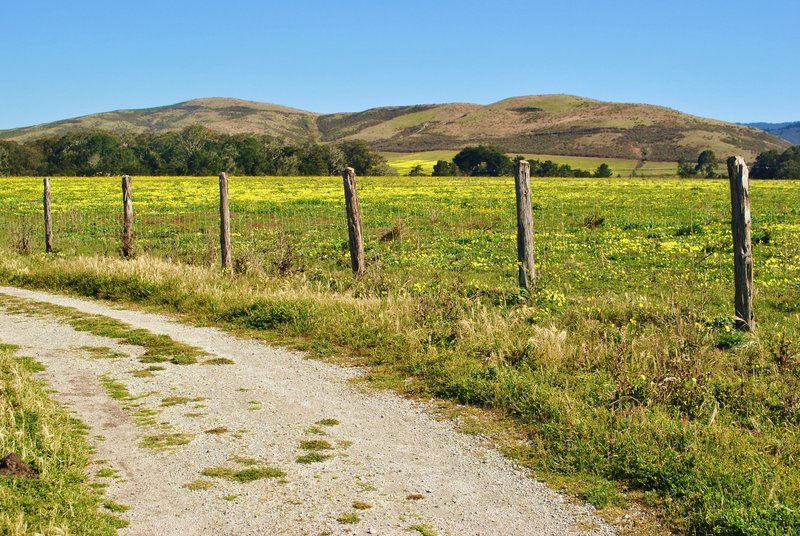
(48, 221)
(525, 253)
(355, 238)
(742, 245)
(224, 222)
(127, 217)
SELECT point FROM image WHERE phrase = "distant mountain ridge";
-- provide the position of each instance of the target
(789, 131)
(541, 124)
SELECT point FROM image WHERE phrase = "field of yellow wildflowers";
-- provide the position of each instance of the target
(591, 235)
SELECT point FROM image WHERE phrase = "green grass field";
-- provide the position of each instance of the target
(621, 373)
(404, 162)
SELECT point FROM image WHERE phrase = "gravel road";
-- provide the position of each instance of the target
(415, 472)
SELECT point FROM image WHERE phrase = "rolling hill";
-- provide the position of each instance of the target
(544, 124)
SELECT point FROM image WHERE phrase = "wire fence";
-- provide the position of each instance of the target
(589, 233)
(278, 224)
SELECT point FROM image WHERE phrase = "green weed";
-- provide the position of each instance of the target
(243, 476)
(165, 441)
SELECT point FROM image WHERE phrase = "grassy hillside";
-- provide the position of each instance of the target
(230, 116)
(568, 125)
(546, 124)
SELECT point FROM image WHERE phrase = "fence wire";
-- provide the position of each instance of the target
(277, 224)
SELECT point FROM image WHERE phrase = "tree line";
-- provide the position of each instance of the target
(194, 150)
(483, 160)
(768, 165)
(775, 165)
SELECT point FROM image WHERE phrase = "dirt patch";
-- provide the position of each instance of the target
(12, 465)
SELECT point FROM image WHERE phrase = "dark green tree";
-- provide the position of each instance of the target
(707, 164)
(358, 155)
(483, 160)
(443, 168)
(19, 159)
(416, 171)
(603, 171)
(320, 160)
(685, 169)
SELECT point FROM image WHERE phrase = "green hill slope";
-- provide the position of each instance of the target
(544, 124)
(230, 116)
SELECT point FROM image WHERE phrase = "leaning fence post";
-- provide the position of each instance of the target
(224, 222)
(355, 238)
(127, 217)
(742, 245)
(525, 253)
(48, 221)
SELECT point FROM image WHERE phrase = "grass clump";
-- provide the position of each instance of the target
(349, 519)
(328, 422)
(115, 389)
(165, 441)
(424, 530)
(45, 436)
(178, 400)
(196, 485)
(603, 494)
(243, 476)
(243, 460)
(113, 506)
(313, 457)
(217, 430)
(158, 348)
(315, 445)
(219, 361)
(146, 372)
(30, 364)
(107, 472)
(145, 416)
(101, 352)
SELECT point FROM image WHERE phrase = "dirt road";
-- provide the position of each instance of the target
(374, 463)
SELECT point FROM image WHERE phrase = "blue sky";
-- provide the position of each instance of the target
(63, 59)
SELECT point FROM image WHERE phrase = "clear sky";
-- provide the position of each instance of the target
(727, 59)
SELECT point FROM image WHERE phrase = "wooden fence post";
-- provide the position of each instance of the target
(355, 238)
(224, 222)
(127, 217)
(525, 251)
(48, 221)
(742, 245)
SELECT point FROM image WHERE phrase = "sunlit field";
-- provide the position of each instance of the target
(591, 235)
(403, 163)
